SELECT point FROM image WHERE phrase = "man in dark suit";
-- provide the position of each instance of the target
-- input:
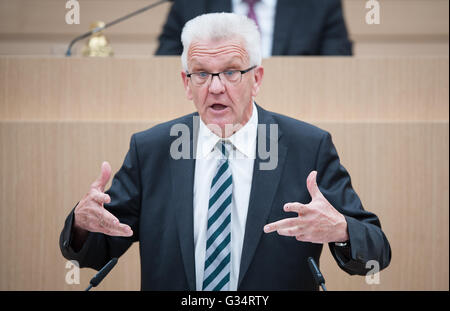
(211, 208)
(295, 27)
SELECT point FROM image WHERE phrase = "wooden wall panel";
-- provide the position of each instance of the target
(336, 88)
(30, 27)
(45, 168)
(400, 171)
(398, 18)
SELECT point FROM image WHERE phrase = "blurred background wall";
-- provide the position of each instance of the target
(30, 27)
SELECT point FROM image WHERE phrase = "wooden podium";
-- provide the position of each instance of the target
(60, 118)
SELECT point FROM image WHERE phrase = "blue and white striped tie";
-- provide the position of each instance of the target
(218, 244)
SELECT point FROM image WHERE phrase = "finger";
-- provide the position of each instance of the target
(121, 230)
(107, 220)
(112, 225)
(125, 230)
(295, 207)
(301, 237)
(290, 231)
(105, 175)
(281, 224)
(100, 197)
(311, 184)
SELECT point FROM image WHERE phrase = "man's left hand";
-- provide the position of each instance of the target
(317, 222)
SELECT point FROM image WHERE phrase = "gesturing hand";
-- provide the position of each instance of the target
(90, 214)
(317, 222)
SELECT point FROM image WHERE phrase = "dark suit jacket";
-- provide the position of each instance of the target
(153, 193)
(302, 27)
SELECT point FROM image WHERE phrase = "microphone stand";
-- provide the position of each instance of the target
(101, 274)
(317, 275)
(98, 29)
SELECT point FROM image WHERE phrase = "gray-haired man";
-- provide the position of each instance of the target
(215, 220)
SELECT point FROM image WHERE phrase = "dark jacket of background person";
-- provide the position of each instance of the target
(302, 27)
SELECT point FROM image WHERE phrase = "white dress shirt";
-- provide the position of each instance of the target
(241, 161)
(265, 13)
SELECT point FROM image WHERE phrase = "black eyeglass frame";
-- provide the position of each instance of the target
(212, 75)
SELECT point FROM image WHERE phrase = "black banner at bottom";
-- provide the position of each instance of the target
(184, 301)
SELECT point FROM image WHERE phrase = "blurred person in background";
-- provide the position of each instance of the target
(287, 27)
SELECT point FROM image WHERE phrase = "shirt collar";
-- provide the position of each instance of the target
(244, 140)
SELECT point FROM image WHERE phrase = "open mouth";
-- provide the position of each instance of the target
(218, 107)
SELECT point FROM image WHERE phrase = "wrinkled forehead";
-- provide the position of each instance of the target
(227, 52)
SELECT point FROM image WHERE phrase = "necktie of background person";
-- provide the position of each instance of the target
(218, 244)
(251, 10)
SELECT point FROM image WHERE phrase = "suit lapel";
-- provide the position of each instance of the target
(263, 190)
(182, 172)
(284, 22)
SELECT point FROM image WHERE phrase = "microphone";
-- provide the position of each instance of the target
(98, 29)
(318, 277)
(101, 274)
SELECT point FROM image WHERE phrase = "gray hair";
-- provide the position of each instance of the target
(215, 26)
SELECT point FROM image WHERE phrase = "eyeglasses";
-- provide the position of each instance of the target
(229, 76)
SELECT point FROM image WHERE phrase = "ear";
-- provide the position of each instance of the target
(187, 88)
(258, 76)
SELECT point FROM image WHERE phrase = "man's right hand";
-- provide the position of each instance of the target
(90, 215)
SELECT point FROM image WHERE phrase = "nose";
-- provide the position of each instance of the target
(216, 86)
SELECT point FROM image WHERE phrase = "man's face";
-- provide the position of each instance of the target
(220, 102)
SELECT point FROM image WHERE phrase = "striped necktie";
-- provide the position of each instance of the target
(251, 10)
(218, 244)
